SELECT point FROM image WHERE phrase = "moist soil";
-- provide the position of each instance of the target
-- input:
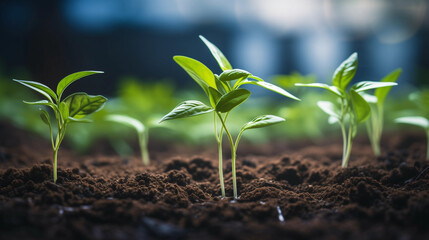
(288, 190)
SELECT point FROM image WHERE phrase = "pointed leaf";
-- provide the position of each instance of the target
(214, 96)
(64, 110)
(217, 54)
(187, 109)
(221, 86)
(79, 120)
(263, 121)
(329, 108)
(367, 85)
(45, 118)
(368, 97)
(126, 120)
(381, 93)
(232, 99)
(198, 71)
(82, 104)
(345, 72)
(333, 89)
(414, 120)
(360, 106)
(233, 74)
(271, 87)
(65, 82)
(40, 88)
(43, 103)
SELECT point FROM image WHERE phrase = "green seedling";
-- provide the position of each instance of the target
(353, 108)
(71, 109)
(224, 93)
(374, 125)
(420, 122)
(421, 98)
(142, 132)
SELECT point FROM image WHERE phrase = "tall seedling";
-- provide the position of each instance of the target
(351, 108)
(71, 109)
(224, 94)
(374, 125)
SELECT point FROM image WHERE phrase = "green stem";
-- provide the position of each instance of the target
(143, 148)
(343, 132)
(55, 164)
(233, 156)
(222, 184)
(345, 162)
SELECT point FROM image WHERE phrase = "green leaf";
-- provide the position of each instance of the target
(198, 71)
(64, 110)
(345, 72)
(40, 88)
(271, 87)
(360, 106)
(233, 74)
(79, 120)
(43, 103)
(221, 86)
(45, 118)
(82, 104)
(127, 120)
(262, 121)
(414, 120)
(217, 54)
(381, 93)
(332, 89)
(187, 109)
(368, 97)
(214, 96)
(329, 108)
(65, 82)
(232, 99)
(367, 85)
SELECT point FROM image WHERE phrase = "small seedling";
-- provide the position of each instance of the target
(374, 125)
(224, 94)
(420, 122)
(71, 109)
(421, 98)
(142, 132)
(353, 108)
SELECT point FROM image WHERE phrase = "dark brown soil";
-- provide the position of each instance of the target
(287, 191)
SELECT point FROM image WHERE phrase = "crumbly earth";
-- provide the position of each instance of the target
(287, 191)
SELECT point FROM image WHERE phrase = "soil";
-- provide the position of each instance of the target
(288, 190)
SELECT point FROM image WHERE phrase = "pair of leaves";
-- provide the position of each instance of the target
(193, 108)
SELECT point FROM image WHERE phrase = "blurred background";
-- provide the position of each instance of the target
(133, 42)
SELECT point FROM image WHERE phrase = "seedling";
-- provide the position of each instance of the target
(353, 108)
(142, 132)
(422, 100)
(71, 109)
(374, 125)
(224, 94)
(420, 122)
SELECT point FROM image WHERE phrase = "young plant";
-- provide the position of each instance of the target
(353, 108)
(374, 125)
(71, 109)
(421, 98)
(420, 122)
(142, 132)
(224, 93)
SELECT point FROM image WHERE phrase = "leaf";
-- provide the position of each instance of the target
(127, 120)
(214, 96)
(360, 106)
(198, 71)
(329, 108)
(345, 72)
(217, 54)
(79, 120)
(64, 110)
(187, 109)
(414, 120)
(381, 93)
(367, 85)
(45, 118)
(233, 74)
(262, 121)
(221, 86)
(271, 87)
(368, 97)
(65, 82)
(332, 89)
(40, 88)
(82, 104)
(232, 99)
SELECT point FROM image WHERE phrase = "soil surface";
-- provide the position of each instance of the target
(287, 191)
